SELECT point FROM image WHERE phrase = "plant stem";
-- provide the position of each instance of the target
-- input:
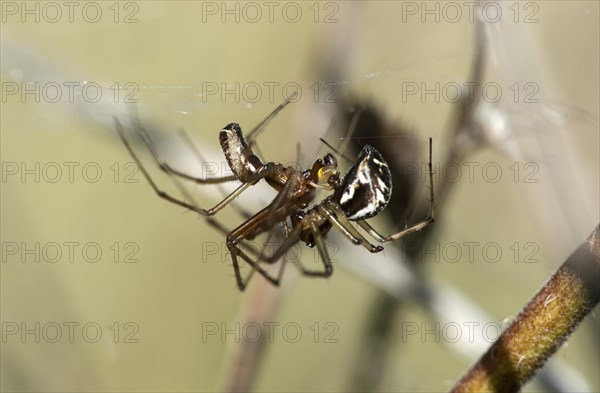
(543, 325)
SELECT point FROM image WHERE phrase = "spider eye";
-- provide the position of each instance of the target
(367, 187)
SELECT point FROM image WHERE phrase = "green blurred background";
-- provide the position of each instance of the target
(168, 299)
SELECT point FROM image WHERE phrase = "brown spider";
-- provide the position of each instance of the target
(360, 194)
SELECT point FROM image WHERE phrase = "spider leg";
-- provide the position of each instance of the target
(260, 222)
(256, 253)
(277, 211)
(253, 134)
(235, 252)
(336, 216)
(237, 236)
(259, 174)
(237, 240)
(241, 211)
(282, 197)
(417, 227)
(288, 242)
(389, 238)
(322, 252)
(271, 218)
(293, 239)
(165, 167)
(245, 243)
(351, 235)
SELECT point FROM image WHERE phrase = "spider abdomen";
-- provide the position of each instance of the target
(239, 155)
(367, 186)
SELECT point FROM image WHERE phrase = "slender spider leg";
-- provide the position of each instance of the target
(275, 280)
(260, 258)
(165, 167)
(270, 220)
(224, 231)
(299, 158)
(277, 211)
(234, 238)
(256, 224)
(322, 251)
(287, 243)
(351, 128)
(186, 139)
(335, 150)
(235, 252)
(336, 216)
(345, 139)
(253, 134)
(418, 226)
(262, 172)
(271, 217)
(282, 196)
(221, 228)
(335, 222)
(291, 240)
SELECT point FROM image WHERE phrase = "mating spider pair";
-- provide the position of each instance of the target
(362, 193)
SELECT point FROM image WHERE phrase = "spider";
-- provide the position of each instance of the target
(360, 194)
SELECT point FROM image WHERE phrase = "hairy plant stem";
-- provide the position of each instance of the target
(543, 325)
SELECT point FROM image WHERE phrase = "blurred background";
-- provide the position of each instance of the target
(106, 287)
